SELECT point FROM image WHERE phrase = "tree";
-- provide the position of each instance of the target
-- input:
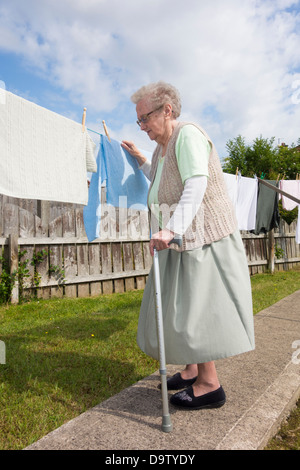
(263, 158)
(287, 162)
(237, 150)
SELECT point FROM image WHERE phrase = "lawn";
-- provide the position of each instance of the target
(64, 356)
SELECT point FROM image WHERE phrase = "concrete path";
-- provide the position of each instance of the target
(261, 387)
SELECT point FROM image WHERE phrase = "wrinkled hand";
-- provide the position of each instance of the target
(161, 240)
(130, 147)
(133, 150)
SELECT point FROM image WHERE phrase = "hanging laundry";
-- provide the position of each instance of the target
(126, 185)
(298, 227)
(43, 155)
(267, 212)
(243, 194)
(291, 187)
(91, 165)
(232, 184)
(92, 211)
(246, 204)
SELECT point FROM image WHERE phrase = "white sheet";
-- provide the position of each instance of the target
(43, 155)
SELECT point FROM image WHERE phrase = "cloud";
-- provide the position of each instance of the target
(234, 62)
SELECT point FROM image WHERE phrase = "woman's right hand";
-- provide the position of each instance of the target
(134, 151)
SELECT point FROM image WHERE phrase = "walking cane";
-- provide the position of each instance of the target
(166, 420)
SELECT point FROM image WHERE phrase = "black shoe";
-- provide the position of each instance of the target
(187, 399)
(176, 382)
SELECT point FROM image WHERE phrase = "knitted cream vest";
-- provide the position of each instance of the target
(215, 218)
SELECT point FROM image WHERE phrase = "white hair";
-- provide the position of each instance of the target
(159, 93)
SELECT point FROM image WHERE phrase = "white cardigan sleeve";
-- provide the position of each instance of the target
(188, 205)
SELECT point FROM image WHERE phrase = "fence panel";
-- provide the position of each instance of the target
(61, 261)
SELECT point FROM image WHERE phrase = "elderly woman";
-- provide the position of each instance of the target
(205, 284)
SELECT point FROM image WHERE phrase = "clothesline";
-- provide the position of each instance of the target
(283, 193)
(104, 127)
(126, 186)
(91, 130)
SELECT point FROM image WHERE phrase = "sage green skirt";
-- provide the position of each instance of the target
(206, 303)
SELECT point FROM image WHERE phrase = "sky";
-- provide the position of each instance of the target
(236, 63)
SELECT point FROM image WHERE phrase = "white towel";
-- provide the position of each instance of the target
(232, 184)
(247, 203)
(243, 194)
(91, 165)
(43, 155)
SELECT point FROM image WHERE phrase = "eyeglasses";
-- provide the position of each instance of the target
(145, 117)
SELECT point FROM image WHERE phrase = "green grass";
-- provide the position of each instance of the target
(64, 356)
(288, 437)
(267, 289)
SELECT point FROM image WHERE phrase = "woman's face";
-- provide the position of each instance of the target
(155, 124)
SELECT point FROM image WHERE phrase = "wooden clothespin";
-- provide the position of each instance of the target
(278, 178)
(237, 172)
(83, 119)
(105, 130)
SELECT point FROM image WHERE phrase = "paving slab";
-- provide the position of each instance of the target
(262, 386)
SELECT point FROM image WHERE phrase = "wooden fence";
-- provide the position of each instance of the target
(118, 261)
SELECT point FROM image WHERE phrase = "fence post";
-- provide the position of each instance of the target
(13, 257)
(271, 260)
(43, 212)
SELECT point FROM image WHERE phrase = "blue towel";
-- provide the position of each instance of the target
(126, 185)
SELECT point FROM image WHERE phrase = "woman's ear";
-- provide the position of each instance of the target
(168, 110)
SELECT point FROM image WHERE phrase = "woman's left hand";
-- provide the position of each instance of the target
(161, 240)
